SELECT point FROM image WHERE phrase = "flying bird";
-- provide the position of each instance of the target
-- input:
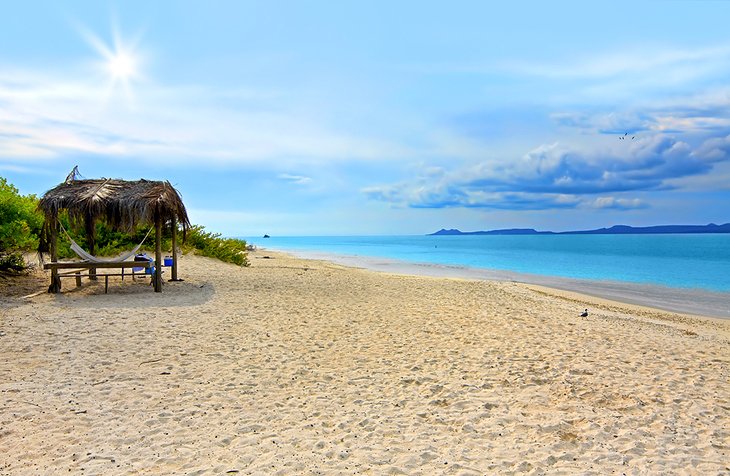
(585, 313)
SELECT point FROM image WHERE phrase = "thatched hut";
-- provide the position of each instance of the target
(122, 204)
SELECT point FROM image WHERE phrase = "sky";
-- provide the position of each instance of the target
(378, 117)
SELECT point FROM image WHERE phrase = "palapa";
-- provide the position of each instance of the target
(122, 204)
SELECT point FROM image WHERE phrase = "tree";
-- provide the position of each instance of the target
(20, 225)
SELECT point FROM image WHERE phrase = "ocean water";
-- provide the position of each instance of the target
(680, 261)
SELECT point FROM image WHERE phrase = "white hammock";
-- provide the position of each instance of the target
(95, 259)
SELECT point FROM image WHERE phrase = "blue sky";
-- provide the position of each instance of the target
(317, 118)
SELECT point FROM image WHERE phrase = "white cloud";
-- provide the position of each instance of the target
(617, 203)
(633, 74)
(685, 113)
(556, 176)
(683, 61)
(23, 170)
(45, 115)
(296, 179)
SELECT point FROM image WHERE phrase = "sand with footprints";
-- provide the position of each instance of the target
(296, 366)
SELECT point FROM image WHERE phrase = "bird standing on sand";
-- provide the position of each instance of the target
(585, 313)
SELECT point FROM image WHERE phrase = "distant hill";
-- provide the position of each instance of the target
(509, 231)
(614, 230)
(660, 229)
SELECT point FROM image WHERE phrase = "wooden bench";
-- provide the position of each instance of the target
(75, 270)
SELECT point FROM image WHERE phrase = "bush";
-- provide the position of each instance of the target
(230, 250)
(108, 242)
(20, 226)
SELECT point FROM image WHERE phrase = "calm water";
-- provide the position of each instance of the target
(684, 261)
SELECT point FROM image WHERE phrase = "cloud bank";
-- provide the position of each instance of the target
(44, 116)
(554, 177)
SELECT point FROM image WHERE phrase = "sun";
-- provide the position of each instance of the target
(119, 62)
(121, 66)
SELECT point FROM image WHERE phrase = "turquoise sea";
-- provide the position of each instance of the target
(700, 261)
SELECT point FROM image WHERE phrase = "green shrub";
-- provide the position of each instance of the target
(20, 226)
(230, 250)
(108, 242)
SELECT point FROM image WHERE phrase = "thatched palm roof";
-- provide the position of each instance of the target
(122, 204)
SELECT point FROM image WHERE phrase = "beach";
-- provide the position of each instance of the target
(300, 366)
(693, 301)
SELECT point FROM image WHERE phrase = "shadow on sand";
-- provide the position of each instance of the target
(137, 295)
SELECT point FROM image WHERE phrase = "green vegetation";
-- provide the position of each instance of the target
(20, 227)
(108, 241)
(197, 240)
(231, 250)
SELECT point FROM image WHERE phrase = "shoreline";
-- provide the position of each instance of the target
(696, 302)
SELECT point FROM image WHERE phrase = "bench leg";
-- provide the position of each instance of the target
(106, 284)
(78, 279)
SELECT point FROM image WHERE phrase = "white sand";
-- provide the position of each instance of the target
(683, 300)
(307, 367)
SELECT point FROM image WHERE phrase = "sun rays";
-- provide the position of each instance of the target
(120, 62)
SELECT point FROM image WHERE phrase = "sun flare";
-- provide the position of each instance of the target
(119, 62)
(121, 65)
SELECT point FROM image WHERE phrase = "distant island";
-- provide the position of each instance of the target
(614, 230)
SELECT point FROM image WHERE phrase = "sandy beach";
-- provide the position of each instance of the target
(698, 302)
(295, 366)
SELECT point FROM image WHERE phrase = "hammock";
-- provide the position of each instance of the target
(95, 259)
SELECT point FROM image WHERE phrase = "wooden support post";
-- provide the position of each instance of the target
(158, 254)
(174, 250)
(91, 242)
(55, 286)
(78, 279)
